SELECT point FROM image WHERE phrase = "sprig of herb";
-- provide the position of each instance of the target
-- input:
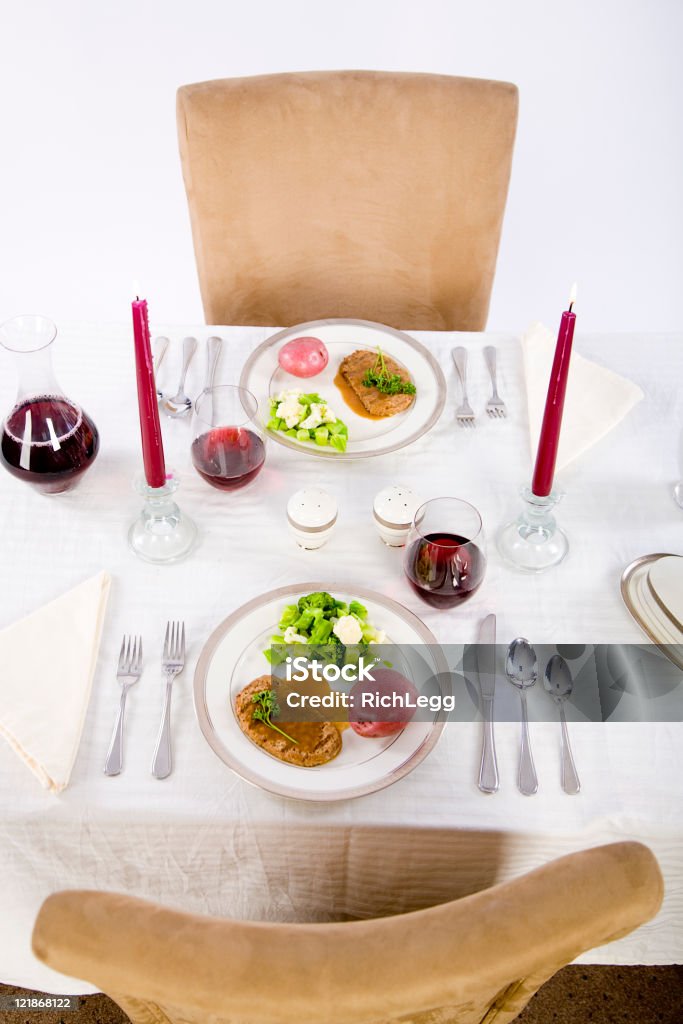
(379, 377)
(266, 707)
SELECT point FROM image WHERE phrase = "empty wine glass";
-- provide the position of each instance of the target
(445, 555)
(47, 440)
(229, 444)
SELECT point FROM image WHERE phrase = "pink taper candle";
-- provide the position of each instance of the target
(150, 428)
(549, 440)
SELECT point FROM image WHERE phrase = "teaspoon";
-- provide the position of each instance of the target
(558, 683)
(160, 349)
(521, 668)
(180, 404)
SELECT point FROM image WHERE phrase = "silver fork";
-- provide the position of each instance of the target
(128, 673)
(172, 664)
(495, 406)
(464, 414)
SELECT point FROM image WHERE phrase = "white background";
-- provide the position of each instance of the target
(92, 196)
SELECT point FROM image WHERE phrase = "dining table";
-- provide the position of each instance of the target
(206, 841)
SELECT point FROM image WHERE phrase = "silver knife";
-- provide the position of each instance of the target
(486, 667)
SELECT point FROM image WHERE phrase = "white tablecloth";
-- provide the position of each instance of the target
(208, 842)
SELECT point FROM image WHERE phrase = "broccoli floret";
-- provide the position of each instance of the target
(321, 631)
(289, 616)
(320, 599)
(356, 608)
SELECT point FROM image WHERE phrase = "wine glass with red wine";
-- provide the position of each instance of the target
(445, 555)
(47, 439)
(229, 444)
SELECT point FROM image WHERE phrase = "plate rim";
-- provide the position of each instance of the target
(315, 450)
(236, 766)
(667, 611)
(625, 581)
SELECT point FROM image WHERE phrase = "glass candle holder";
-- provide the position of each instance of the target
(47, 439)
(534, 542)
(161, 533)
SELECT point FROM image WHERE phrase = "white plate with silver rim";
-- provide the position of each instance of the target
(233, 656)
(368, 437)
(644, 608)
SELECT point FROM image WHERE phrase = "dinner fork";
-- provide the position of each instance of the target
(464, 414)
(495, 406)
(172, 664)
(128, 673)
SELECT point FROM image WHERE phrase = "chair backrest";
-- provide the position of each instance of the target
(363, 194)
(475, 959)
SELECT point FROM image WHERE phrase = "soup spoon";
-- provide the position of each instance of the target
(521, 668)
(180, 404)
(559, 684)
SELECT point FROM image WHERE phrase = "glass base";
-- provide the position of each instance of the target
(534, 542)
(162, 533)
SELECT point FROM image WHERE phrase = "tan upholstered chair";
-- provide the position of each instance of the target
(347, 194)
(478, 959)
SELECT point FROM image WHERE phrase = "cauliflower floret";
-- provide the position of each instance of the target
(327, 414)
(314, 418)
(290, 410)
(292, 637)
(347, 628)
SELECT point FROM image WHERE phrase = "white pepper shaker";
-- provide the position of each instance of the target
(311, 515)
(393, 511)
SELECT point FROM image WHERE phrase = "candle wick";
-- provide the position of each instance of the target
(571, 306)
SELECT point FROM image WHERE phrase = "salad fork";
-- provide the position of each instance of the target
(128, 673)
(464, 414)
(495, 407)
(172, 664)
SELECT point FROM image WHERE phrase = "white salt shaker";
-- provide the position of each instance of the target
(311, 515)
(393, 511)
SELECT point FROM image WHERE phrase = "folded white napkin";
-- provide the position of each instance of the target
(597, 399)
(47, 663)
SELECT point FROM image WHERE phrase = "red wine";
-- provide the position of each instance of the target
(228, 457)
(444, 568)
(48, 442)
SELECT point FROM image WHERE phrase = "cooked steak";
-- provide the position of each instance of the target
(354, 367)
(317, 742)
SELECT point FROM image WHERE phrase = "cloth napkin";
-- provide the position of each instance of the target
(47, 663)
(597, 399)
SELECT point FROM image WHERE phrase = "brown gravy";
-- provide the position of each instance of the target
(352, 399)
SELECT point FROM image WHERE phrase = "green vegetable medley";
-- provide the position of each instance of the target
(307, 417)
(321, 620)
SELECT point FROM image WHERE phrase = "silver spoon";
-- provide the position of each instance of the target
(558, 683)
(213, 351)
(160, 349)
(180, 404)
(521, 668)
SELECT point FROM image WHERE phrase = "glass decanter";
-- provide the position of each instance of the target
(47, 440)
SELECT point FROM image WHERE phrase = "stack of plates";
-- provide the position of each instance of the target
(652, 589)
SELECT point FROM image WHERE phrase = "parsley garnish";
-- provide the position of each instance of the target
(267, 706)
(388, 383)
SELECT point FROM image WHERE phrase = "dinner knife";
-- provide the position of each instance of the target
(486, 668)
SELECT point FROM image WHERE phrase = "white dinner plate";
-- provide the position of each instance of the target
(233, 656)
(263, 376)
(646, 610)
(665, 580)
